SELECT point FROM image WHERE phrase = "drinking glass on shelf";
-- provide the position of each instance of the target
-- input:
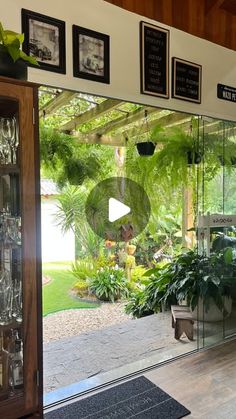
(6, 294)
(7, 127)
(12, 229)
(17, 300)
(15, 142)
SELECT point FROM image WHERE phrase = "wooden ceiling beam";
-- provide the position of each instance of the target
(56, 103)
(95, 112)
(212, 5)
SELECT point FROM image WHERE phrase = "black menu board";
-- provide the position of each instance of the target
(186, 80)
(154, 48)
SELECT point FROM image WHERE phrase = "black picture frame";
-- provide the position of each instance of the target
(91, 54)
(154, 60)
(186, 80)
(45, 40)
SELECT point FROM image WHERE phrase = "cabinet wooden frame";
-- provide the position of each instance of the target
(30, 400)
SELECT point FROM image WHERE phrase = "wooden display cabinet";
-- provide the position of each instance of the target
(20, 255)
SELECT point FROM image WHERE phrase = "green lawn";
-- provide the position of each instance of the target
(56, 294)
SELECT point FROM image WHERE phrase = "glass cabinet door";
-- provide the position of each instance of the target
(11, 286)
(20, 276)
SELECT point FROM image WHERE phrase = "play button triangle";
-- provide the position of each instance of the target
(117, 209)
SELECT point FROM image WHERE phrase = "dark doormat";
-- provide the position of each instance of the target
(138, 398)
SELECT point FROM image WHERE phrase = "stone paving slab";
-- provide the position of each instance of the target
(70, 360)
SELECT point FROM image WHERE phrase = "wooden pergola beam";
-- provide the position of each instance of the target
(121, 140)
(165, 121)
(93, 113)
(57, 102)
(123, 121)
(114, 141)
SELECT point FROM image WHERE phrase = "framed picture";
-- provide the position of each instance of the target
(186, 80)
(44, 40)
(154, 60)
(91, 55)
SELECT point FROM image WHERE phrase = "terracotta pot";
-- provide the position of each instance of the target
(146, 149)
(8, 68)
(214, 314)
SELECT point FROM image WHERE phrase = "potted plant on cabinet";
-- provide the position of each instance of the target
(13, 61)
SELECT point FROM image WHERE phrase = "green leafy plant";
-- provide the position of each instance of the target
(191, 277)
(147, 298)
(109, 284)
(11, 42)
(137, 273)
(83, 269)
(81, 287)
(138, 305)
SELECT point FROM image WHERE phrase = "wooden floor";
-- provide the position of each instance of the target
(205, 383)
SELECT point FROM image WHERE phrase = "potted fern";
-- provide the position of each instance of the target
(13, 61)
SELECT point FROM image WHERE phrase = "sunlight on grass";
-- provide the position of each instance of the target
(56, 295)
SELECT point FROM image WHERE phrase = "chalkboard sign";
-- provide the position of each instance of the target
(154, 49)
(226, 92)
(186, 80)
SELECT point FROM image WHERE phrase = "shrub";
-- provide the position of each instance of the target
(137, 274)
(138, 305)
(82, 288)
(148, 300)
(83, 269)
(109, 284)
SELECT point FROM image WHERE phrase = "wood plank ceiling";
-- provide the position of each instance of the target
(214, 20)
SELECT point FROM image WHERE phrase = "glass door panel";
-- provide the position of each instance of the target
(216, 231)
(230, 230)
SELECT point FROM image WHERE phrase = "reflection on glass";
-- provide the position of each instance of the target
(217, 231)
(11, 350)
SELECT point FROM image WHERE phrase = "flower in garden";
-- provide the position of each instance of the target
(110, 243)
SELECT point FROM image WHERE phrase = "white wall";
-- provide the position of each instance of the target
(219, 64)
(55, 245)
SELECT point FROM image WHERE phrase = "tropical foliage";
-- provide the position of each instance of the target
(109, 284)
(188, 277)
(11, 43)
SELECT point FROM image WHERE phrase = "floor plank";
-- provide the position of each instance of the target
(205, 383)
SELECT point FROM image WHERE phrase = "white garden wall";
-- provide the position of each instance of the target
(219, 64)
(56, 246)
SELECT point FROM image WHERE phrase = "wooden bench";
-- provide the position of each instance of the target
(182, 321)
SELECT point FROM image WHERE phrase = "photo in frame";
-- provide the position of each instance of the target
(154, 60)
(186, 80)
(91, 55)
(44, 40)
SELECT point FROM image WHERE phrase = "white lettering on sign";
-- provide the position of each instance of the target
(227, 95)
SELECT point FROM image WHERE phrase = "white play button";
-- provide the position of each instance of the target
(117, 210)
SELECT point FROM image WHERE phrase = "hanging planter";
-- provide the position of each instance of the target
(193, 157)
(9, 68)
(146, 148)
(223, 161)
